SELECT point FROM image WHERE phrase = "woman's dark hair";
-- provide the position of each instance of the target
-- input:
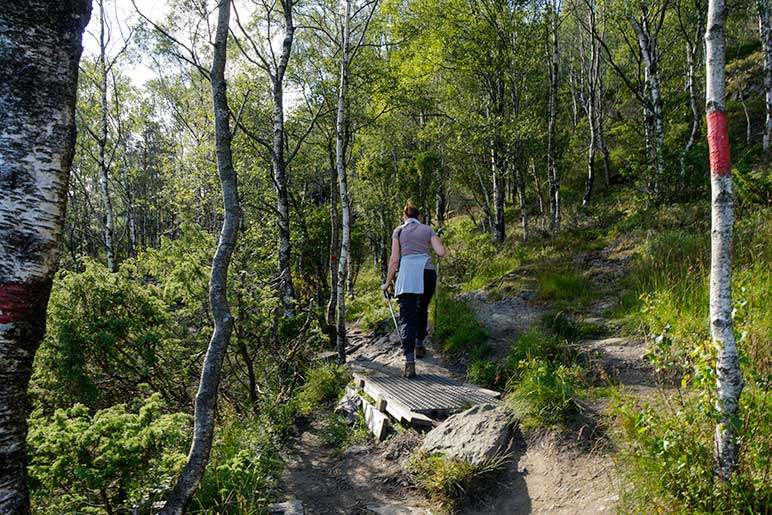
(410, 210)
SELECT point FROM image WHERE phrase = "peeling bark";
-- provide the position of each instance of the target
(729, 381)
(334, 243)
(39, 54)
(279, 164)
(340, 163)
(206, 398)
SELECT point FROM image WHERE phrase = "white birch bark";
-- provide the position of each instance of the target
(279, 163)
(765, 32)
(206, 397)
(729, 381)
(340, 162)
(104, 187)
(647, 43)
(332, 305)
(552, 12)
(40, 46)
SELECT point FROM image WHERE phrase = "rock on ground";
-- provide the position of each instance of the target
(294, 507)
(474, 435)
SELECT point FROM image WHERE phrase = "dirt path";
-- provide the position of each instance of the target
(555, 475)
(366, 479)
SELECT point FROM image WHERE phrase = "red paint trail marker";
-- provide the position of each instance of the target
(21, 301)
(718, 143)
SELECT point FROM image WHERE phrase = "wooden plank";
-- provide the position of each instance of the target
(376, 421)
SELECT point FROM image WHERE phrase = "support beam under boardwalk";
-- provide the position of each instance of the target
(421, 400)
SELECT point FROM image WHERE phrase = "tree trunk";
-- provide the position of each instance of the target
(539, 196)
(552, 171)
(692, 49)
(334, 243)
(206, 398)
(520, 177)
(340, 162)
(41, 47)
(647, 43)
(104, 186)
(765, 31)
(498, 194)
(747, 118)
(593, 70)
(729, 379)
(279, 165)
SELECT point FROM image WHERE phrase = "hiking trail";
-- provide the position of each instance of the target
(547, 473)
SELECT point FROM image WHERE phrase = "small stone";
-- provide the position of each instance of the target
(357, 450)
(293, 507)
(396, 509)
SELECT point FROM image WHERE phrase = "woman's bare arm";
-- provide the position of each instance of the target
(439, 249)
(393, 264)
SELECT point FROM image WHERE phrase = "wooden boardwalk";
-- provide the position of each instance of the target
(422, 400)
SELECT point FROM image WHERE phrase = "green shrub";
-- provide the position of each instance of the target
(543, 395)
(567, 328)
(667, 454)
(323, 384)
(115, 460)
(337, 433)
(484, 373)
(458, 332)
(368, 307)
(448, 480)
(107, 334)
(244, 465)
(565, 288)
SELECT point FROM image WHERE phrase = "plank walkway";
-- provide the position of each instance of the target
(422, 400)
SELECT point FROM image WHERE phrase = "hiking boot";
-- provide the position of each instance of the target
(409, 370)
(420, 351)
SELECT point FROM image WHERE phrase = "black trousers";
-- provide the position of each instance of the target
(414, 312)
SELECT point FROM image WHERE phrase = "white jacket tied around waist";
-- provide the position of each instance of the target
(411, 274)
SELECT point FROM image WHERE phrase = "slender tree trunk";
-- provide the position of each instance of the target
(765, 31)
(692, 48)
(206, 398)
(41, 47)
(345, 202)
(104, 186)
(747, 118)
(539, 196)
(520, 178)
(729, 379)
(498, 195)
(279, 165)
(592, 82)
(334, 243)
(647, 42)
(552, 171)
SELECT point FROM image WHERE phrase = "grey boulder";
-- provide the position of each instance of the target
(474, 435)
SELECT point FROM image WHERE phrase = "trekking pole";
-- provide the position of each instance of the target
(437, 293)
(436, 300)
(393, 316)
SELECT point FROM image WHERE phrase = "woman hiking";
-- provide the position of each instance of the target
(416, 281)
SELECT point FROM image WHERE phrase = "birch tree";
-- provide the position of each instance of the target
(647, 26)
(341, 127)
(552, 21)
(692, 29)
(41, 48)
(729, 380)
(765, 31)
(206, 397)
